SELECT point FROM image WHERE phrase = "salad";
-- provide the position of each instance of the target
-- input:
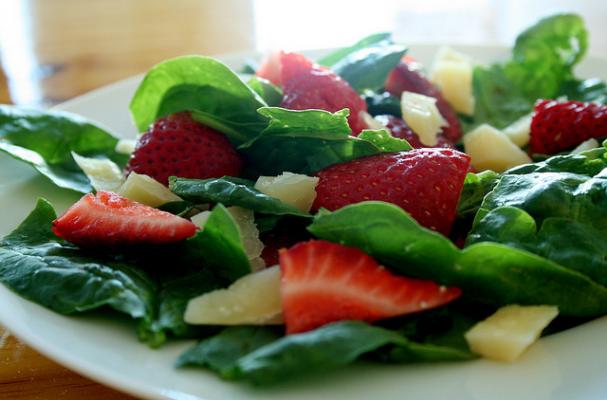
(358, 206)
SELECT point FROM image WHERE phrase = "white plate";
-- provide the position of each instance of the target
(568, 365)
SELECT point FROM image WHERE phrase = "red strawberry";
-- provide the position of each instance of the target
(270, 68)
(407, 77)
(307, 85)
(107, 219)
(424, 182)
(401, 130)
(323, 282)
(558, 126)
(178, 145)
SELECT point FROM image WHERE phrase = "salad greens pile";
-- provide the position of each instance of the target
(534, 234)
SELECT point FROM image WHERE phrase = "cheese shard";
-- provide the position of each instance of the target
(489, 148)
(519, 132)
(104, 174)
(146, 190)
(296, 190)
(253, 299)
(422, 116)
(505, 335)
(452, 72)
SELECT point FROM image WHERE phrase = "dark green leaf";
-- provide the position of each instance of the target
(383, 139)
(231, 192)
(569, 243)
(382, 103)
(221, 352)
(40, 267)
(476, 187)
(216, 96)
(270, 93)
(45, 140)
(342, 53)
(329, 347)
(218, 247)
(303, 142)
(588, 90)
(369, 67)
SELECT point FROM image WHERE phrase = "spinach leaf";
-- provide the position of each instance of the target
(338, 55)
(46, 140)
(269, 92)
(369, 67)
(589, 90)
(590, 163)
(496, 274)
(498, 101)
(221, 352)
(303, 142)
(231, 192)
(382, 103)
(211, 91)
(476, 187)
(553, 194)
(37, 265)
(569, 243)
(541, 67)
(544, 55)
(173, 297)
(389, 234)
(489, 273)
(383, 139)
(328, 347)
(218, 247)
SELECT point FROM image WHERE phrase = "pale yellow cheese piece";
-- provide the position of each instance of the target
(452, 73)
(505, 335)
(422, 116)
(253, 299)
(491, 149)
(146, 190)
(296, 190)
(519, 132)
(589, 144)
(104, 174)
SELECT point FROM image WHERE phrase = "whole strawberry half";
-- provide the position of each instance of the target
(177, 145)
(401, 130)
(323, 282)
(558, 126)
(107, 219)
(424, 182)
(407, 77)
(307, 85)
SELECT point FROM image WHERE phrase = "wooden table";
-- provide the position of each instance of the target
(53, 50)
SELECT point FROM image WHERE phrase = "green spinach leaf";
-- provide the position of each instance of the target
(42, 268)
(211, 91)
(383, 139)
(46, 140)
(231, 192)
(338, 55)
(269, 92)
(476, 187)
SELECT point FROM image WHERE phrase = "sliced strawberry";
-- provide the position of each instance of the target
(424, 182)
(178, 145)
(401, 130)
(323, 282)
(307, 85)
(407, 77)
(270, 68)
(558, 126)
(107, 219)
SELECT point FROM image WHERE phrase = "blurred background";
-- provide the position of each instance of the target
(52, 50)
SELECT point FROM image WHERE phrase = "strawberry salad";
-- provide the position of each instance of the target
(304, 214)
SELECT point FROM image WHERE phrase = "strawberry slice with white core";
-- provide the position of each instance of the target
(108, 219)
(324, 282)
